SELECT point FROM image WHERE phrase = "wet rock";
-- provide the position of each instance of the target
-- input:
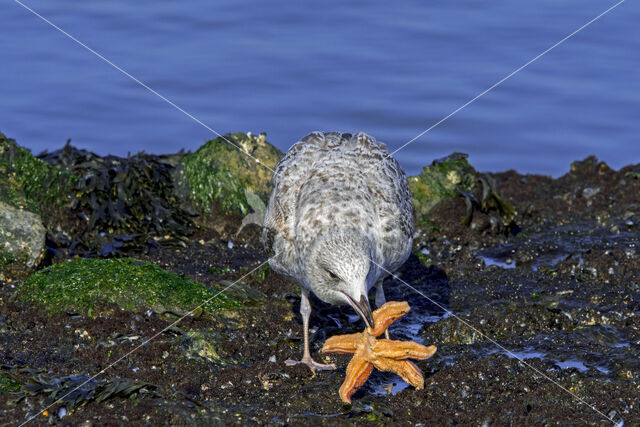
(83, 285)
(589, 192)
(451, 177)
(218, 174)
(22, 235)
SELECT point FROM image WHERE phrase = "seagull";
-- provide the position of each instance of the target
(339, 219)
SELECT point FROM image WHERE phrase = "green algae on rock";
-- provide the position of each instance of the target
(219, 173)
(27, 182)
(453, 176)
(82, 284)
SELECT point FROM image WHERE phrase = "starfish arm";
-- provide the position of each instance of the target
(387, 314)
(358, 372)
(405, 368)
(402, 350)
(342, 343)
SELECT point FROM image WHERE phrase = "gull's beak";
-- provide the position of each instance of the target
(362, 308)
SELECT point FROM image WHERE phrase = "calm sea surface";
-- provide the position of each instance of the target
(391, 69)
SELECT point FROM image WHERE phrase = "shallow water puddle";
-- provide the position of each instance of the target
(562, 364)
(579, 365)
(501, 256)
(549, 260)
(521, 355)
(488, 261)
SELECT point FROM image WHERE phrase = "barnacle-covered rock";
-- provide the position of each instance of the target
(204, 344)
(453, 176)
(218, 173)
(22, 236)
(85, 284)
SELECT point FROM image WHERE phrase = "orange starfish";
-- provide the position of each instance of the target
(384, 354)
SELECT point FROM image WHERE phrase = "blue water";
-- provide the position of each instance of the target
(391, 69)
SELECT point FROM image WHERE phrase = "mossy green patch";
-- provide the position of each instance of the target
(218, 172)
(30, 183)
(83, 284)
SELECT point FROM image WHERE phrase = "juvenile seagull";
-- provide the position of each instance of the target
(338, 203)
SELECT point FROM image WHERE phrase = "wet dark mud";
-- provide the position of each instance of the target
(559, 291)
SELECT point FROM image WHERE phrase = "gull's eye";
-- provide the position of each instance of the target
(332, 275)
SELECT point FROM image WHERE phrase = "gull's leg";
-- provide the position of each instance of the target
(305, 311)
(381, 300)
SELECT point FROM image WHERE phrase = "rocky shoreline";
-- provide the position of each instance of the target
(99, 255)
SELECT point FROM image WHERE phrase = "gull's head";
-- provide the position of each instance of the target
(339, 270)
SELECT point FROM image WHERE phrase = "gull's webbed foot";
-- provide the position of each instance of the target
(312, 364)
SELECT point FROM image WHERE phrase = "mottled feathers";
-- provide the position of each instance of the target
(329, 182)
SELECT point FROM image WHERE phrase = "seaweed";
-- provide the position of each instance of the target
(77, 390)
(120, 203)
